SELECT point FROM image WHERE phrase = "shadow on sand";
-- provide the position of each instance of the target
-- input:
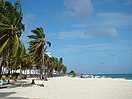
(13, 98)
(3, 95)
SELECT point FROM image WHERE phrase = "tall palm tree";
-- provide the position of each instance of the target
(53, 62)
(28, 63)
(64, 69)
(11, 25)
(21, 57)
(47, 63)
(11, 28)
(60, 66)
(38, 46)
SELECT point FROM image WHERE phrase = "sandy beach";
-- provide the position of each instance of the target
(72, 88)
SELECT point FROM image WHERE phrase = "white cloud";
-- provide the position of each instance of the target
(93, 46)
(108, 20)
(82, 47)
(101, 48)
(114, 19)
(108, 32)
(73, 35)
(104, 24)
(81, 9)
(84, 34)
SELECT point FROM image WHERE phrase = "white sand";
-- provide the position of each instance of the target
(75, 88)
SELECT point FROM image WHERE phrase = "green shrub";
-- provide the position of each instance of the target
(4, 77)
(72, 73)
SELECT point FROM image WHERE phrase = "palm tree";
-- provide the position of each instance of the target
(53, 65)
(21, 57)
(11, 28)
(64, 69)
(47, 63)
(60, 66)
(28, 63)
(38, 46)
(11, 25)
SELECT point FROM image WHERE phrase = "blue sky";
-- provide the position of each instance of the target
(92, 36)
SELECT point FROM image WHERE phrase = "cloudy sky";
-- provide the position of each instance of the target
(92, 36)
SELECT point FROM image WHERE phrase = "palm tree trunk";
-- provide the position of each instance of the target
(15, 70)
(45, 72)
(9, 72)
(33, 71)
(41, 72)
(0, 72)
(42, 66)
(20, 69)
(9, 65)
(1, 60)
(26, 70)
(30, 71)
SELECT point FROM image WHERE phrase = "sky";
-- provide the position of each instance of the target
(92, 36)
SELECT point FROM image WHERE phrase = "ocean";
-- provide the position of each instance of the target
(124, 76)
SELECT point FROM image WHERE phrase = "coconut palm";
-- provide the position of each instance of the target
(11, 28)
(11, 25)
(38, 46)
(53, 65)
(60, 66)
(20, 58)
(64, 69)
(28, 63)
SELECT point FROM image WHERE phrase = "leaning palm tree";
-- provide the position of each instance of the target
(11, 25)
(20, 57)
(37, 48)
(11, 28)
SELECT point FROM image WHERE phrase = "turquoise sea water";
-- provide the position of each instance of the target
(124, 76)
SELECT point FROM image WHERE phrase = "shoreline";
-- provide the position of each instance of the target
(73, 88)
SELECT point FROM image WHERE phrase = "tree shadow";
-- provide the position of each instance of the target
(13, 98)
(4, 94)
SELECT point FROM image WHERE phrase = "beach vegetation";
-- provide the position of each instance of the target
(13, 55)
(38, 47)
(72, 73)
(11, 28)
(4, 77)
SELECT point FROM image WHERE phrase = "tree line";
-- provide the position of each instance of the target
(13, 55)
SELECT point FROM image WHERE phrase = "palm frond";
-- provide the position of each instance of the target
(15, 45)
(32, 37)
(2, 37)
(38, 32)
(2, 3)
(4, 45)
(49, 43)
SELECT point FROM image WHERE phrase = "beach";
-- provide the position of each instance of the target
(72, 88)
